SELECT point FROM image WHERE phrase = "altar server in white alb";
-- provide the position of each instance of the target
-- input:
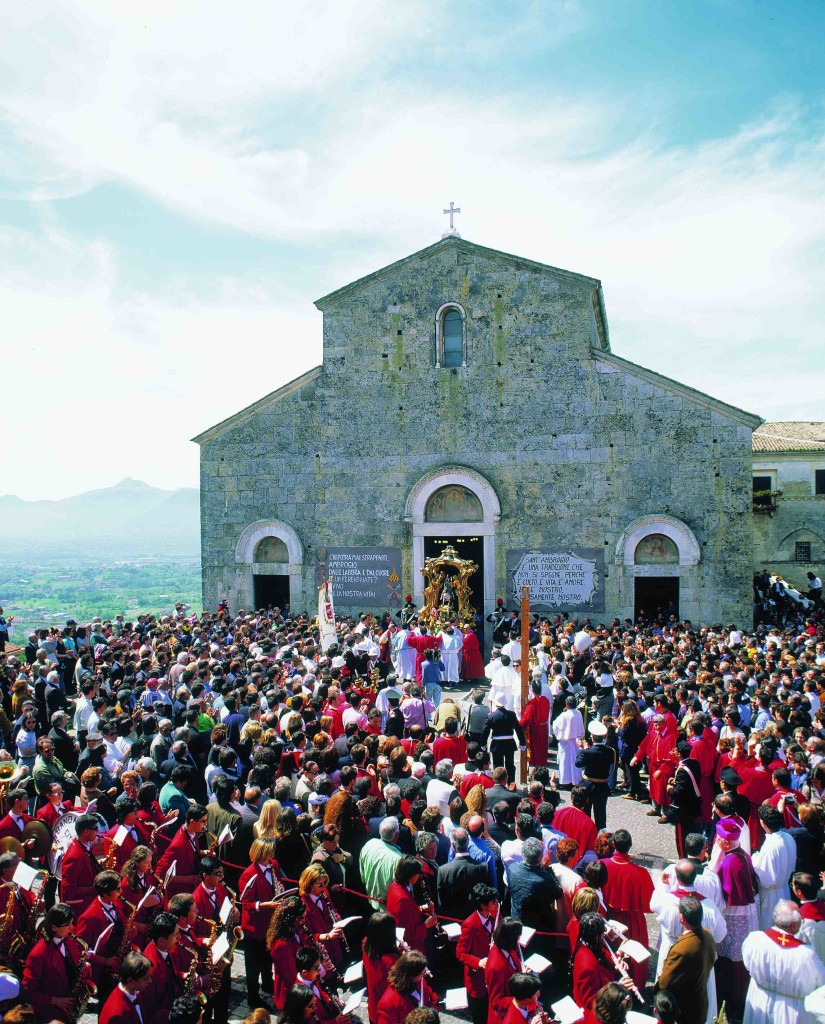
(774, 863)
(506, 683)
(665, 905)
(568, 728)
(452, 643)
(783, 971)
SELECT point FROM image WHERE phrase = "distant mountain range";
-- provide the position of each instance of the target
(130, 517)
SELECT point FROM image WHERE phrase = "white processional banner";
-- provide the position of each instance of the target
(326, 617)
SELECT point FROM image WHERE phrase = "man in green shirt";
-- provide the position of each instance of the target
(378, 860)
(47, 768)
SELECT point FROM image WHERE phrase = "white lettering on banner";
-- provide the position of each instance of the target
(556, 580)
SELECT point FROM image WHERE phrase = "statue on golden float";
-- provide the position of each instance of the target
(447, 595)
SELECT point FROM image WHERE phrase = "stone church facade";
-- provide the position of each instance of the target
(471, 397)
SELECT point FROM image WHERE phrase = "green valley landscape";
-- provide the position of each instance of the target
(128, 548)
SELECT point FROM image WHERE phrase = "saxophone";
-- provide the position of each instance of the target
(190, 983)
(84, 988)
(126, 941)
(8, 917)
(21, 945)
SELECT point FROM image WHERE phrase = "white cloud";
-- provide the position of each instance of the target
(289, 122)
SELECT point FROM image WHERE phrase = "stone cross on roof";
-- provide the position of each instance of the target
(452, 233)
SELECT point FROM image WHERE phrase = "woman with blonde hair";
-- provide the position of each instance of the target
(321, 914)
(258, 888)
(476, 801)
(264, 827)
(251, 732)
(585, 901)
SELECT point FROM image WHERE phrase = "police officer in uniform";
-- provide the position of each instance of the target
(500, 726)
(598, 762)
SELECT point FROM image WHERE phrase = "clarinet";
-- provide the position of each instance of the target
(335, 917)
(621, 969)
(326, 961)
(329, 992)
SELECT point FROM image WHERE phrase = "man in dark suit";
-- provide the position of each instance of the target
(222, 814)
(502, 830)
(457, 878)
(501, 725)
(688, 964)
(533, 889)
(500, 790)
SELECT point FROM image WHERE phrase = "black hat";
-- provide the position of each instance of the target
(730, 776)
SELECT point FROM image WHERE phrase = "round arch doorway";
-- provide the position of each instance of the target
(458, 506)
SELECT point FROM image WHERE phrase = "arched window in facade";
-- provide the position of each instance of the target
(451, 336)
(271, 549)
(453, 504)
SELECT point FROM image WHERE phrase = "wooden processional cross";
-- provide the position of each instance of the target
(525, 665)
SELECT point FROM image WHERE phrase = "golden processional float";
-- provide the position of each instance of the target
(447, 589)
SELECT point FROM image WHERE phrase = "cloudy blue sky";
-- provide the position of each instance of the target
(178, 182)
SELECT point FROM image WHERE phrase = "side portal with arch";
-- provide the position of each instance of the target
(269, 562)
(658, 559)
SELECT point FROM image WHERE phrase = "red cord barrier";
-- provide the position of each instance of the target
(377, 899)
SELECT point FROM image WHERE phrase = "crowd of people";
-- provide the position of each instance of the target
(189, 789)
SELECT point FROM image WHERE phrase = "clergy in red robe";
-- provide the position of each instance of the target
(787, 799)
(420, 644)
(757, 786)
(472, 664)
(576, 823)
(627, 891)
(535, 721)
(657, 747)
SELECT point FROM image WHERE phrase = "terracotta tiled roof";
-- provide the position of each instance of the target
(790, 436)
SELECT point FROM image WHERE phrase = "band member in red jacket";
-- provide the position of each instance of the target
(185, 852)
(284, 939)
(13, 823)
(257, 889)
(22, 900)
(503, 961)
(210, 897)
(404, 907)
(51, 966)
(524, 1002)
(137, 878)
(326, 1006)
(56, 807)
(407, 989)
(135, 835)
(100, 913)
(167, 974)
(80, 867)
(321, 915)
(380, 951)
(473, 948)
(593, 964)
(127, 1003)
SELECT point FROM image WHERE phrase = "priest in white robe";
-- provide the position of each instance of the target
(665, 905)
(568, 728)
(403, 656)
(774, 863)
(506, 684)
(452, 643)
(782, 969)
